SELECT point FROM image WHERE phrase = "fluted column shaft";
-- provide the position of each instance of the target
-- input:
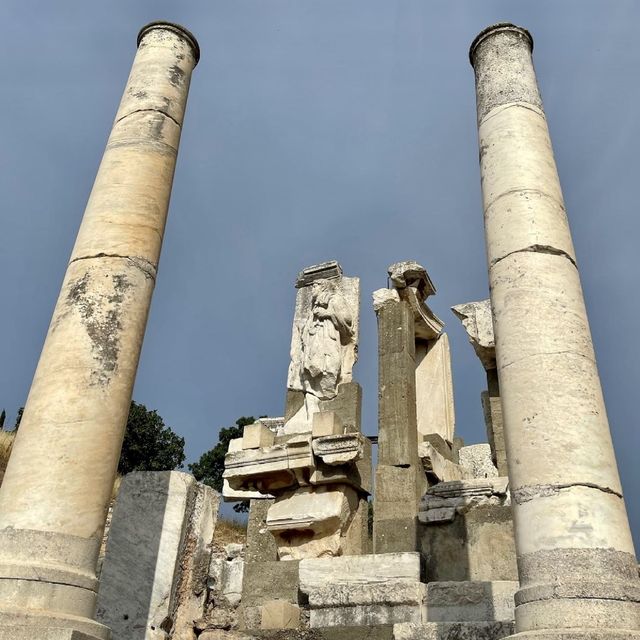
(576, 559)
(58, 482)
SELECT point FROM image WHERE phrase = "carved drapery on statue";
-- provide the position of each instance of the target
(317, 465)
(324, 339)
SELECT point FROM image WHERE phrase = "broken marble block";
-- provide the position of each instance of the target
(225, 575)
(460, 495)
(438, 468)
(270, 468)
(340, 449)
(311, 522)
(363, 590)
(154, 576)
(477, 320)
(233, 495)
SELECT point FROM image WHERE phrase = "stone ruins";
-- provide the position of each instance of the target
(524, 537)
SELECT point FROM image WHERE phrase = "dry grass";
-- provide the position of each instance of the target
(6, 443)
(228, 531)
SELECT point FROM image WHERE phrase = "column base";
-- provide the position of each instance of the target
(29, 633)
(577, 634)
(17, 625)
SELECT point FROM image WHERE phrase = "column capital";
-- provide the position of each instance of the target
(499, 27)
(175, 28)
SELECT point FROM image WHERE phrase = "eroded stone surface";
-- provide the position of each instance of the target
(369, 569)
(311, 521)
(477, 321)
(477, 460)
(160, 537)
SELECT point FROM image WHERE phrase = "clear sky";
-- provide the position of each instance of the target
(316, 129)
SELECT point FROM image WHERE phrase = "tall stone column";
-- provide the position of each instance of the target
(59, 480)
(576, 562)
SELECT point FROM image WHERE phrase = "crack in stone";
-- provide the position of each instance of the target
(164, 113)
(538, 248)
(510, 105)
(546, 353)
(509, 192)
(147, 267)
(526, 494)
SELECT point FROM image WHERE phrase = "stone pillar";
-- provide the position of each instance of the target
(576, 560)
(400, 480)
(58, 483)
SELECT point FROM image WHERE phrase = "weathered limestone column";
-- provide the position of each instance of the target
(58, 482)
(576, 560)
(400, 481)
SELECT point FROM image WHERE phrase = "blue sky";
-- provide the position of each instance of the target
(315, 130)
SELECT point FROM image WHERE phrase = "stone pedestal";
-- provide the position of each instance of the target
(399, 475)
(576, 560)
(154, 575)
(353, 591)
(58, 483)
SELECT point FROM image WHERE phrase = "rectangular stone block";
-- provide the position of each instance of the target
(396, 331)
(492, 410)
(471, 601)
(326, 423)
(443, 514)
(319, 510)
(265, 581)
(317, 573)
(160, 539)
(364, 615)
(453, 631)
(356, 539)
(344, 448)
(437, 467)
(397, 428)
(261, 545)
(434, 387)
(477, 545)
(395, 535)
(390, 592)
(279, 614)
(405, 484)
(256, 436)
(356, 475)
(347, 405)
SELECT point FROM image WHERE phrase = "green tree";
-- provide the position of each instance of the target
(210, 466)
(148, 444)
(18, 418)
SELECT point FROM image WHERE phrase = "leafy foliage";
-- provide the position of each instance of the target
(209, 468)
(148, 444)
(18, 418)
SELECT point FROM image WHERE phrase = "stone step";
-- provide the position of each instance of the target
(453, 631)
(470, 601)
(377, 632)
(316, 573)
